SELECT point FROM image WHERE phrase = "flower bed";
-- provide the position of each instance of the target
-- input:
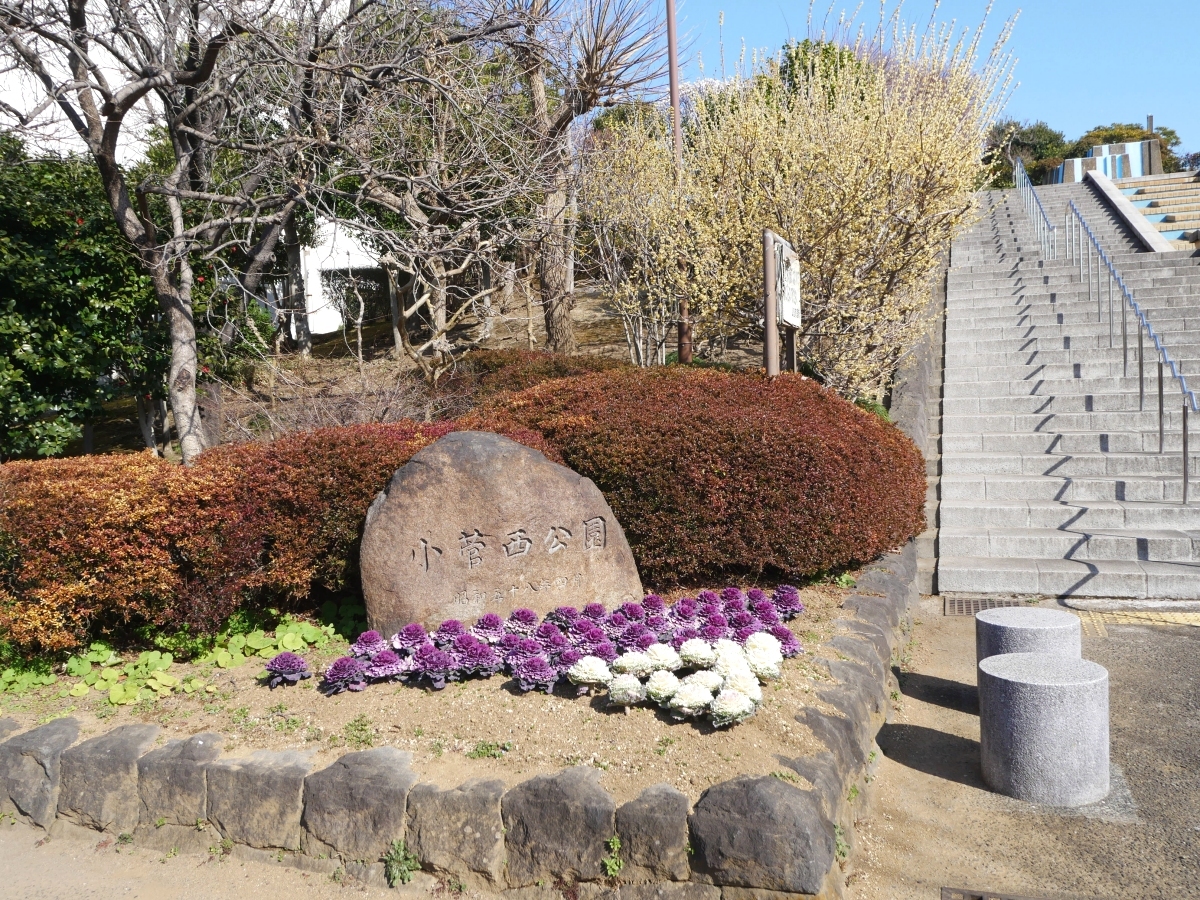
(722, 644)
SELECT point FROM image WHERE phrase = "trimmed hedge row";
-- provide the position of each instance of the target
(713, 475)
(716, 474)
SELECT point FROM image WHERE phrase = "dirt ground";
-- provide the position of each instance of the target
(933, 824)
(462, 731)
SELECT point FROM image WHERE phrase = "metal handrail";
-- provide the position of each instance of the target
(1077, 227)
(1046, 232)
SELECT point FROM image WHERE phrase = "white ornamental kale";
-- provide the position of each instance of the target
(626, 690)
(633, 663)
(663, 657)
(731, 707)
(708, 679)
(730, 658)
(662, 686)
(590, 671)
(764, 653)
(689, 700)
(697, 653)
(744, 683)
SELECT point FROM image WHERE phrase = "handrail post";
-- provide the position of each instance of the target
(1110, 310)
(1160, 405)
(1141, 371)
(1124, 342)
(1186, 461)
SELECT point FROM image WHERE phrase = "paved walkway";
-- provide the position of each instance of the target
(933, 824)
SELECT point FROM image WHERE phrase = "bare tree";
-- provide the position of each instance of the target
(599, 52)
(260, 104)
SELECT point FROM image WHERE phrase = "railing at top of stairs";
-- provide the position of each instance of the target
(1046, 232)
(1085, 249)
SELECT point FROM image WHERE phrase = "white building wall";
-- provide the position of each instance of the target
(337, 247)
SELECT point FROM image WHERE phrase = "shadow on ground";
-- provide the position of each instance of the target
(933, 752)
(939, 691)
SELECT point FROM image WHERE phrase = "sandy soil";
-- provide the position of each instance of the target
(934, 824)
(449, 731)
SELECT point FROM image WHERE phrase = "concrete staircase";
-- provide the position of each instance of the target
(1049, 480)
(1170, 202)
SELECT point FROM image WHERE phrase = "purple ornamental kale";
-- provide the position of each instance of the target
(659, 626)
(790, 644)
(522, 621)
(410, 638)
(579, 630)
(388, 664)
(764, 610)
(436, 665)
(565, 660)
(684, 612)
(756, 595)
(705, 597)
(345, 674)
(682, 635)
(627, 639)
(787, 601)
(525, 649)
(741, 635)
(476, 657)
(545, 630)
(733, 595)
(712, 633)
(563, 616)
(286, 668)
(614, 625)
(595, 612)
(593, 639)
(489, 627)
(554, 643)
(740, 619)
(708, 609)
(715, 620)
(535, 674)
(368, 644)
(654, 605)
(645, 640)
(605, 650)
(508, 644)
(447, 632)
(634, 612)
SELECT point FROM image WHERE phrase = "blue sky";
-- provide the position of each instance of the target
(1079, 64)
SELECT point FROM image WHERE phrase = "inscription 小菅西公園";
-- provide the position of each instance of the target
(473, 544)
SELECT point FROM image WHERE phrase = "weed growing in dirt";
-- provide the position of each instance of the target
(360, 732)
(663, 744)
(489, 750)
(853, 793)
(841, 848)
(784, 775)
(399, 864)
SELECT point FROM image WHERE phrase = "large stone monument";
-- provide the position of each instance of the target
(477, 523)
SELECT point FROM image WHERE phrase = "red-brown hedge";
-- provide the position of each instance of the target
(89, 544)
(490, 372)
(714, 474)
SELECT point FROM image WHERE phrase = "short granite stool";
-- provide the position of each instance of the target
(1025, 629)
(1043, 727)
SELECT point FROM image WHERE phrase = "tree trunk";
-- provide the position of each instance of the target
(488, 309)
(145, 416)
(181, 379)
(395, 302)
(437, 304)
(297, 298)
(555, 270)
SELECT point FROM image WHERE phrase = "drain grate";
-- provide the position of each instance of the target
(968, 606)
(961, 894)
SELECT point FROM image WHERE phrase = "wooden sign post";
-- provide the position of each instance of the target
(781, 292)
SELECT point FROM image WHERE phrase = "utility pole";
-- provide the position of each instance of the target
(685, 323)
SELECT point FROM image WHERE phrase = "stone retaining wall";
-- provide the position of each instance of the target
(749, 838)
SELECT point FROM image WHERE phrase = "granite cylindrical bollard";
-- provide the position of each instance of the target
(1023, 629)
(1043, 727)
